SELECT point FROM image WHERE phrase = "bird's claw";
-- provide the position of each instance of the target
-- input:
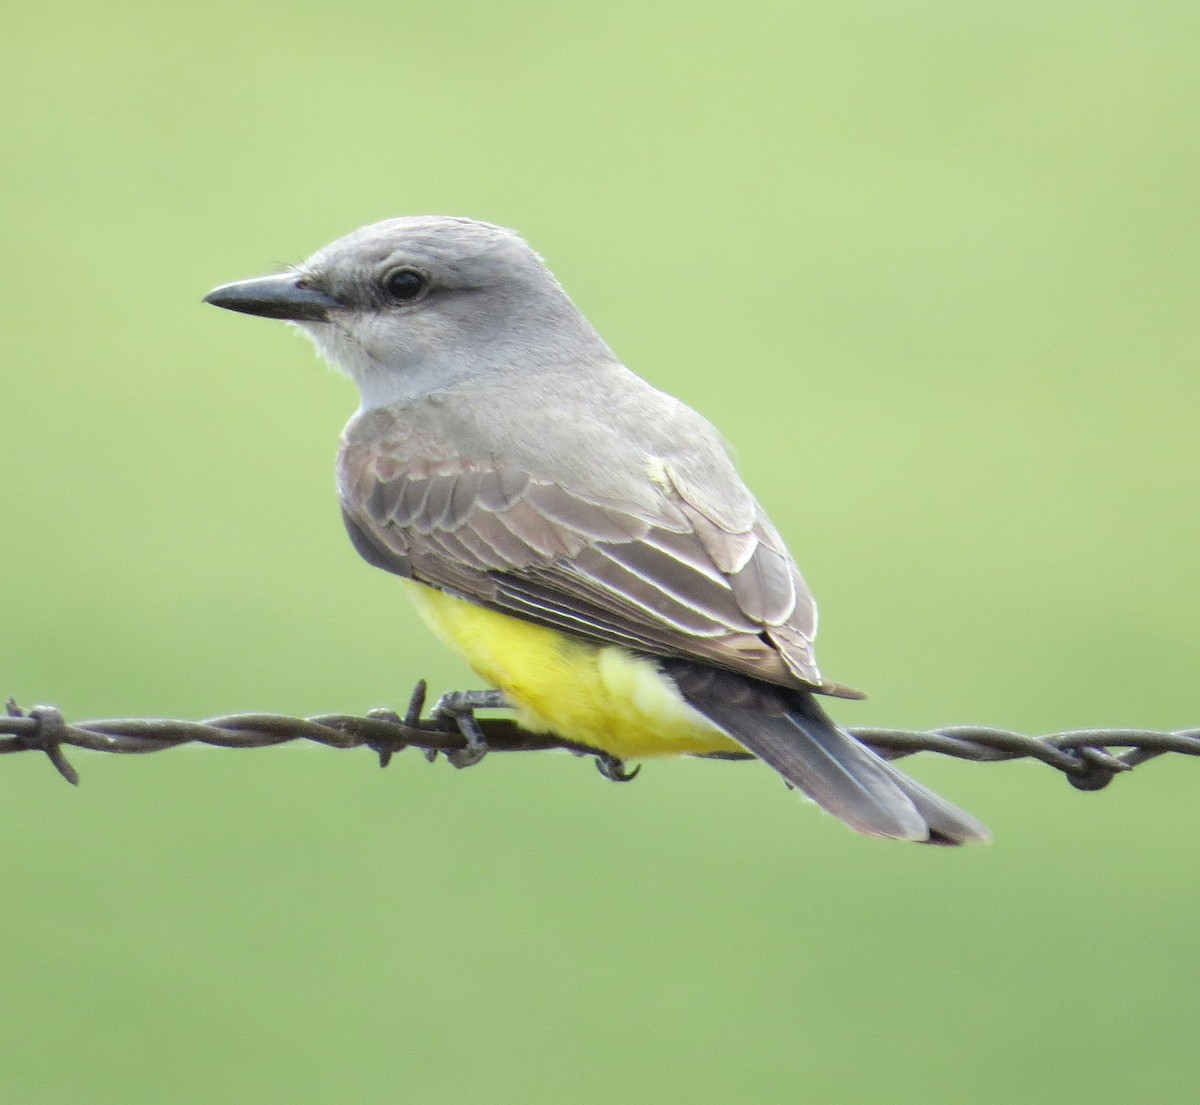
(459, 707)
(614, 770)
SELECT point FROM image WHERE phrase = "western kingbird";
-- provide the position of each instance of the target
(583, 539)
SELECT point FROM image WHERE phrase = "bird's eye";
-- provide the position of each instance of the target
(404, 284)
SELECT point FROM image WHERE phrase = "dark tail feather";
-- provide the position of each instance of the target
(788, 730)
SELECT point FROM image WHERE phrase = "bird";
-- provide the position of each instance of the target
(580, 537)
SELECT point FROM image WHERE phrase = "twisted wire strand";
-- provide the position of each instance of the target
(1087, 757)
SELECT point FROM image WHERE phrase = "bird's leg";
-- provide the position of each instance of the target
(460, 707)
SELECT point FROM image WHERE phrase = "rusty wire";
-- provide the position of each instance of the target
(1087, 757)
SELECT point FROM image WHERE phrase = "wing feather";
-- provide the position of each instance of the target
(434, 515)
(589, 520)
(764, 589)
(463, 499)
(499, 488)
(707, 599)
(409, 509)
(684, 548)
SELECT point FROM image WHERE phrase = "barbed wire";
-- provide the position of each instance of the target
(1087, 757)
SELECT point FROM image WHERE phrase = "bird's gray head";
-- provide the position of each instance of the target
(411, 305)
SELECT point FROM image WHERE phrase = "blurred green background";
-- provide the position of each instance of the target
(931, 266)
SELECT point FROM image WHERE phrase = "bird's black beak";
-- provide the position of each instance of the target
(284, 296)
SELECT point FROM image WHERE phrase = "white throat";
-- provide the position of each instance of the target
(381, 385)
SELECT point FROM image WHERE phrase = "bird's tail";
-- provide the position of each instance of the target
(788, 730)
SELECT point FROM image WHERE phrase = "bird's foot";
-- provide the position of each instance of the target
(459, 707)
(614, 770)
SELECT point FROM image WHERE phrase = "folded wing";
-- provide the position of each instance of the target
(671, 581)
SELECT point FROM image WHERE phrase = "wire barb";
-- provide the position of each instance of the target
(1085, 756)
(48, 736)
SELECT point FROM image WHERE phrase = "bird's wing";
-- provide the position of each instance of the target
(671, 581)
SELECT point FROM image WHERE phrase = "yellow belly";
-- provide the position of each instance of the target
(598, 695)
